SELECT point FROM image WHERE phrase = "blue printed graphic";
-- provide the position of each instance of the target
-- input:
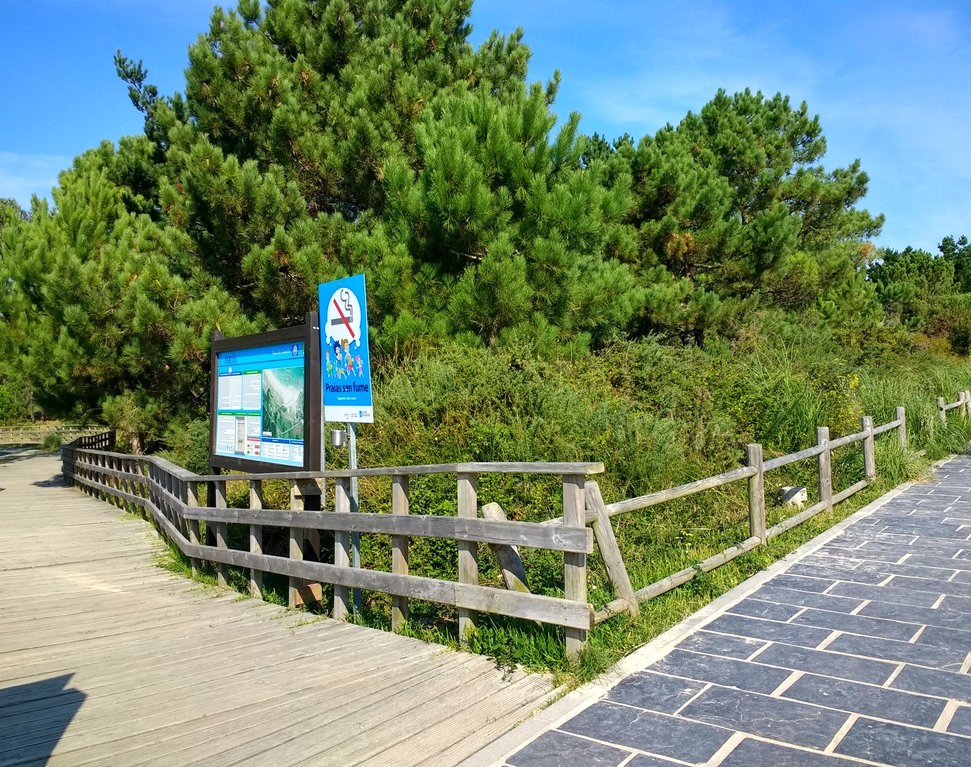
(345, 359)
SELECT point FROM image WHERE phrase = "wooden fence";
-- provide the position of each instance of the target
(173, 497)
(34, 433)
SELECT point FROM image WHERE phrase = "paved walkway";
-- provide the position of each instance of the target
(105, 659)
(858, 653)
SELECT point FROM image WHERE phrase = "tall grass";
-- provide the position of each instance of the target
(656, 416)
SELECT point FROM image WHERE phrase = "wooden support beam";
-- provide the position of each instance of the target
(399, 550)
(468, 550)
(574, 564)
(603, 531)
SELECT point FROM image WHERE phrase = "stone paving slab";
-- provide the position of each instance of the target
(853, 651)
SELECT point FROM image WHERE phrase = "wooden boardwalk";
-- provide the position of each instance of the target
(105, 659)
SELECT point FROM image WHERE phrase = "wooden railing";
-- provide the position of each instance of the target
(173, 497)
(599, 514)
(34, 433)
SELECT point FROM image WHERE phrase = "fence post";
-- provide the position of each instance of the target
(192, 499)
(304, 543)
(901, 415)
(756, 492)
(603, 531)
(399, 549)
(869, 451)
(468, 550)
(342, 545)
(222, 533)
(941, 411)
(825, 466)
(256, 538)
(574, 563)
(966, 396)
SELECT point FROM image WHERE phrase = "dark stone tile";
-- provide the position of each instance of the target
(861, 591)
(835, 574)
(758, 608)
(723, 671)
(909, 568)
(825, 662)
(725, 645)
(903, 746)
(802, 583)
(648, 731)
(902, 652)
(650, 761)
(854, 624)
(756, 628)
(953, 639)
(945, 618)
(928, 585)
(655, 692)
(843, 604)
(757, 753)
(964, 576)
(944, 565)
(866, 699)
(784, 720)
(957, 604)
(555, 749)
(961, 721)
(932, 681)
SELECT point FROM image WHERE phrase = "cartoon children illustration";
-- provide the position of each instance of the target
(360, 365)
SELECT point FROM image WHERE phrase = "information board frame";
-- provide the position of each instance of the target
(308, 335)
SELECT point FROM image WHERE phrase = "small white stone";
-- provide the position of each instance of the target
(795, 496)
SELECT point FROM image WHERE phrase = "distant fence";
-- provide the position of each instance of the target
(172, 496)
(35, 433)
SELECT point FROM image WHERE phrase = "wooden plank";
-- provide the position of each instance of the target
(221, 530)
(443, 468)
(508, 533)
(796, 519)
(689, 488)
(869, 451)
(756, 492)
(558, 612)
(468, 550)
(609, 550)
(825, 467)
(510, 563)
(849, 439)
(399, 550)
(342, 547)
(574, 564)
(785, 460)
(255, 584)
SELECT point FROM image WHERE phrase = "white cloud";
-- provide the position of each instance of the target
(24, 175)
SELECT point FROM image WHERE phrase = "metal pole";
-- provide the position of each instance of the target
(355, 537)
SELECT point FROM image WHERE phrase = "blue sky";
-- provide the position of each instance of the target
(890, 80)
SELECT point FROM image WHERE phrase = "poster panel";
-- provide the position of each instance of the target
(345, 361)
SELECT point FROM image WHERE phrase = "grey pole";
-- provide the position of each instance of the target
(355, 537)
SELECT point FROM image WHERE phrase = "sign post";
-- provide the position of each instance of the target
(346, 372)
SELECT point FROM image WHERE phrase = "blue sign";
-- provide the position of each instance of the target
(345, 360)
(259, 404)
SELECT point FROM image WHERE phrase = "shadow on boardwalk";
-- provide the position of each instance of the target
(34, 717)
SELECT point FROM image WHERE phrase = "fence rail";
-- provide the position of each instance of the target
(34, 433)
(173, 497)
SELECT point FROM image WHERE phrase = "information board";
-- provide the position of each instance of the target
(263, 389)
(345, 355)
